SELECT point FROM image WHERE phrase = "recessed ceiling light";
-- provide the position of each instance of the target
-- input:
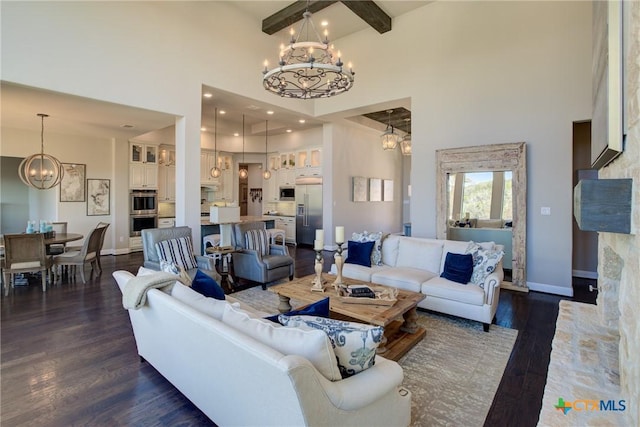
(289, 131)
(269, 112)
(301, 120)
(324, 23)
(223, 112)
(207, 95)
(236, 134)
(127, 126)
(203, 129)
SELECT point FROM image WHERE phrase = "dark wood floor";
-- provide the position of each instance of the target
(68, 357)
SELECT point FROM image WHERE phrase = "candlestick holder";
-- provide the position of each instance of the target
(339, 261)
(318, 282)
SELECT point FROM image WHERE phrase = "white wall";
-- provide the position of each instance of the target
(476, 73)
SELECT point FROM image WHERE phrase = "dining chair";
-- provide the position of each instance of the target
(87, 254)
(56, 249)
(24, 253)
(103, 226)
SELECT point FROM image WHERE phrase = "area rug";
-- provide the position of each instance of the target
(453, 372)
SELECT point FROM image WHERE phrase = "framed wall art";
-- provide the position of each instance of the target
(359, 189)
(99, 195)
(387, 190)
(72, 187)
(375, 190)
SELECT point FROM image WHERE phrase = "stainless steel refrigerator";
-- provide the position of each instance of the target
(308, 209)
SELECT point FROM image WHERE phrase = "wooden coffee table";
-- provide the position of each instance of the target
(401, 329)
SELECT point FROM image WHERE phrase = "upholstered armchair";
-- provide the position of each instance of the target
(170, 235)
(256, 259)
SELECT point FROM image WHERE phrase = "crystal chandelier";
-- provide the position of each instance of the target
(390, 137)
(243, 172)
(267, 173)
(41, 171)
(215, 171)
(405, 142)
(308, 69)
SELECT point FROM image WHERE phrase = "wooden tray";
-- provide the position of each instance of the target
(368, 301)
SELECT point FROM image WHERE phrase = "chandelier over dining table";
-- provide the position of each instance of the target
(308, 69)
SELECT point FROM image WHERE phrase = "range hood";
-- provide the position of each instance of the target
(208, 188)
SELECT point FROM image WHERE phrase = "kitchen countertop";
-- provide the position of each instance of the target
(205, 221)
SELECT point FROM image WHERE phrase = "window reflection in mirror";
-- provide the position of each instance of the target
(480, 195)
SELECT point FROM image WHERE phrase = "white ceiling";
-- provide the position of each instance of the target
(83, 116)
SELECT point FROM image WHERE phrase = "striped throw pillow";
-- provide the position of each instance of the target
(178, 251)
(257, 240)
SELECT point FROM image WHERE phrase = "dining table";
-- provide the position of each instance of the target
(61, 238)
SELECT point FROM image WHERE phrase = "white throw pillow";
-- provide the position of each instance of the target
(143, 271)
(313, 345)
(209, 306)
(418, 253)
(484, 262)
(354, 343)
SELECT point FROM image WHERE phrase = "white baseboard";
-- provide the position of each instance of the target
(551, 289)
(585, 274)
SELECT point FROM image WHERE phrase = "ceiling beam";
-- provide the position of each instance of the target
(370, 13)
(291, 14)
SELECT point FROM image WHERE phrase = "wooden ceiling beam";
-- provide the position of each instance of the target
(370, 13)
(291, 14)
(367, 10)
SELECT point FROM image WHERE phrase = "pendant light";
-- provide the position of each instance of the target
(243, 172)
(215, 171)
(267, 173)
(405, 142)
(41, 171)
(389, 138)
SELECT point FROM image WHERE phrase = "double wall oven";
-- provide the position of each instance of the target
(143, 211)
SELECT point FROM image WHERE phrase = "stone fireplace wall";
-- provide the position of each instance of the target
(619, 254)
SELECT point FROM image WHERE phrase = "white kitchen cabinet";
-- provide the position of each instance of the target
(288, 224)
(143, 153)
(143, 166)
(166, 183)
(286, 177)
(225, 189)
(287, 160)
(309, 162)
(274, 162)
(270, 188)
(166, 222)
(208, 161)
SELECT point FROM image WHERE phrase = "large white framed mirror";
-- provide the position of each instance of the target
(503, 217)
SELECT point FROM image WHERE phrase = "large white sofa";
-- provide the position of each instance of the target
(238, 381)
(415, 264)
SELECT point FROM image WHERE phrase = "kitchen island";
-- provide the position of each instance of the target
(207, 227)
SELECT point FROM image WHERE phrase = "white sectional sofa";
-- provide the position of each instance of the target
(237, 380)
(415, 264)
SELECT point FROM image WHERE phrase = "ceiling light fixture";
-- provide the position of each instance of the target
(243, 172)
(215, 171)
(308, 69)
(389, 138)
(405, 142)
(267, 173)
(41, 171)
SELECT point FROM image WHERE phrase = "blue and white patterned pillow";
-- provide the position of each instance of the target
(365, 236)
(257, 240)
(354, 343)
(178, 251)
(173, 268)
(484, 262)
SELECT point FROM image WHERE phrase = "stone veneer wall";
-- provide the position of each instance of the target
(619, 254)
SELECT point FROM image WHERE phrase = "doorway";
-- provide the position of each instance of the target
(584, 243)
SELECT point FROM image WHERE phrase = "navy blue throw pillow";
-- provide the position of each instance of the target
(359, 253)
(207, 286)
(458, 267)
(319, 309)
